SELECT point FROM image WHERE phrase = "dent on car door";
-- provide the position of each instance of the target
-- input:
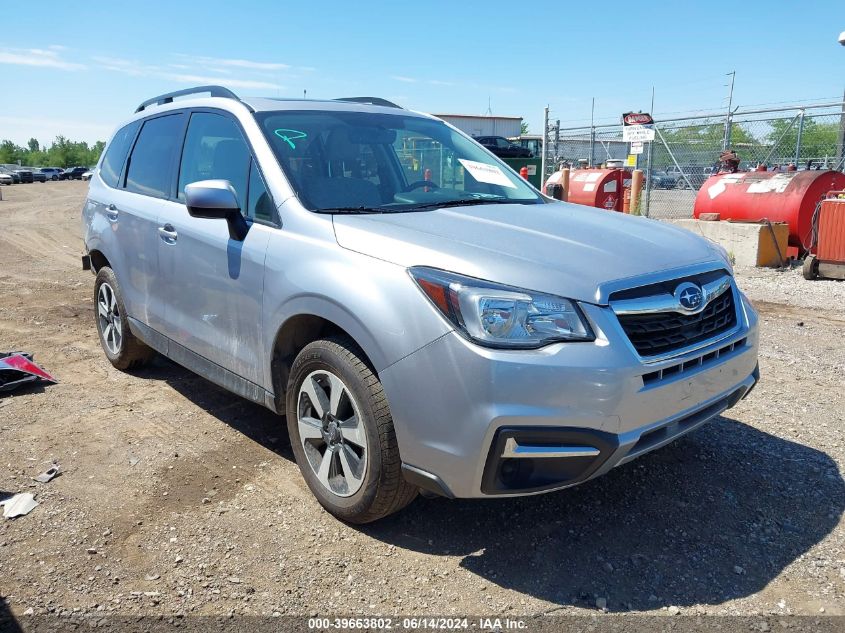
(214, 282)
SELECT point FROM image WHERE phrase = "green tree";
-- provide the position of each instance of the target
(818, 140)
(701, 144)
(61, 153)
(9, 152)
(523, 128)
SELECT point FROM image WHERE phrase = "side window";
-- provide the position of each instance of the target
(260, 204)
(214, 149)
(116, 153)
(503, 143)
(149, 171)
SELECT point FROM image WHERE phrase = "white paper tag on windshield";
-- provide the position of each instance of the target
(483, 172)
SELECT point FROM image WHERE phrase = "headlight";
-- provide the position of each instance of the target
(501, 316)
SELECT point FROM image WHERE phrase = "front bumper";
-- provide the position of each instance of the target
(456, 404)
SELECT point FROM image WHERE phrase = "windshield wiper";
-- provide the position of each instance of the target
(349, 210)
(459, 203)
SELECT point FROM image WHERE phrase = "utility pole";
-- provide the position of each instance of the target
(840, 142)
(592, 132)
(727, 139)
(545, 137)
(644, 210)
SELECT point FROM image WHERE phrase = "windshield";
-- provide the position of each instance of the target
(362, 162)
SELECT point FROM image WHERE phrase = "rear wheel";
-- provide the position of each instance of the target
(342, 433)
(810, 268)
(122, 348)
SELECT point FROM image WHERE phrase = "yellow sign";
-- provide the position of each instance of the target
(631, 161)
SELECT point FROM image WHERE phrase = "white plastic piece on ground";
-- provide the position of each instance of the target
(48, 474)
(18, 505)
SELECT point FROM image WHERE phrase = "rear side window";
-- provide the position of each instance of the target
(150, 167)
(116, 154)
(215, 149)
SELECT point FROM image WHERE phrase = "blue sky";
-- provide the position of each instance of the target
(78, 70)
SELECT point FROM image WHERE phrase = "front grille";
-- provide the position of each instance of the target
(664, 332)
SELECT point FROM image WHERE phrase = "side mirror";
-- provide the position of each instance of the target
(216, 200)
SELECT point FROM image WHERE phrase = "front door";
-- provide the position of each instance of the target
(215, 283)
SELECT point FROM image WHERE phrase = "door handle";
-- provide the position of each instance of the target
(168, 233)
(111, 212)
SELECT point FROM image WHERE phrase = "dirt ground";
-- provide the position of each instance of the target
(178, 498)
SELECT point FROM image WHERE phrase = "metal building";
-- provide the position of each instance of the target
(484, 125)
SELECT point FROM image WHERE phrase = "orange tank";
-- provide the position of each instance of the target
(789, 197)
(831, 232)
(602, 188)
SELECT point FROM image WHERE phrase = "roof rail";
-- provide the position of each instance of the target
(377, 101)
(214, 91)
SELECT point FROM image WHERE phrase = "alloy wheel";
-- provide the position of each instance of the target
(332, 433)
(110, 321)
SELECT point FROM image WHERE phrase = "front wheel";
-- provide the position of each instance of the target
(342, 435)
(122, 348)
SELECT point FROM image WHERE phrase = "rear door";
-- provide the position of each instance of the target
(214, 283)
(146, 193)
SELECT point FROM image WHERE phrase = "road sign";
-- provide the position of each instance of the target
(637, 147)
(637, 118)
(637, 127)
(634, 133)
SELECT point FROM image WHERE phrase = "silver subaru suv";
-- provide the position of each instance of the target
(423, 318)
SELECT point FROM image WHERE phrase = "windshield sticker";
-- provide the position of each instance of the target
(489, 174)
(289, 136)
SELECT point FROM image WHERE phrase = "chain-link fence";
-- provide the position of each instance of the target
(685, 151)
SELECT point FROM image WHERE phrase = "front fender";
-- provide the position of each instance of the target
(376, 303)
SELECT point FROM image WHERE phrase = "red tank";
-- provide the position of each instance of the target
(789, 197)
(600, 188)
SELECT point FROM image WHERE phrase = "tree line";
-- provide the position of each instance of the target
(62, 152)
(774, 141)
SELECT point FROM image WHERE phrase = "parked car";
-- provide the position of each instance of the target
(503, 148)
(533, 143)
(75, 173)
(430, 324)
(16, 178)
(39, 176)
(52, 173)
(6, 179)
(25, 175)
(87, 174)
(695, 175)
(663, 180)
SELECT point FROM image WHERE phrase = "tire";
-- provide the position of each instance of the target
(54, 178)
(810, 270)
(354, 471)
(121, 347)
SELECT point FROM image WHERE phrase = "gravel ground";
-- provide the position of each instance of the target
(788, 287)
(178, 498)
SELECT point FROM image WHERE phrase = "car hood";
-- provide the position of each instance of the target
(558, 248)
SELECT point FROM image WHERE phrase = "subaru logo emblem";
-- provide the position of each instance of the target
(689, 296)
